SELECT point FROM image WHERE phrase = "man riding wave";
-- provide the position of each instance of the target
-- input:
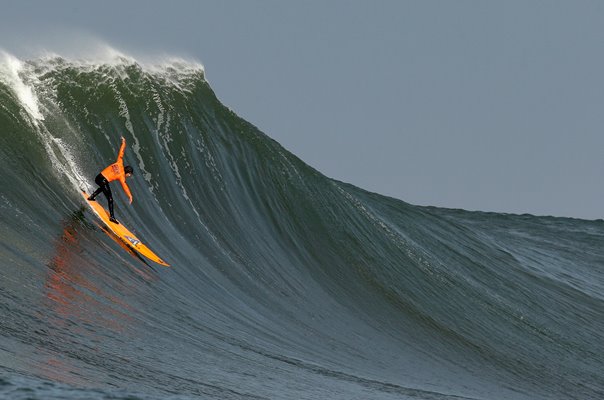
(113, 172)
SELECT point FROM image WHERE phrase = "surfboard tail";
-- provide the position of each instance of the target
(122, 232)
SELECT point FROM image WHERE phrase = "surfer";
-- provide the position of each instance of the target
(115, 171)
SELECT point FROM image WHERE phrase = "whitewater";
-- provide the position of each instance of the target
(285, 284)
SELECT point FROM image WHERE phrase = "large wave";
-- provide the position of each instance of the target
(285, 283)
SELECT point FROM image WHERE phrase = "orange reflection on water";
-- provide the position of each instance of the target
(78, 303)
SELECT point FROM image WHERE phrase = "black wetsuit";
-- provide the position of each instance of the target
(103, 187)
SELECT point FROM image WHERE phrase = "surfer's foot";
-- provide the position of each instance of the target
(112, 219)
(91, 198)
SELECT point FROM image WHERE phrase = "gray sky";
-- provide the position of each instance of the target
(495, 106)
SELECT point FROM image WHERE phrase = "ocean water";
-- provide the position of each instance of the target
(285, 284)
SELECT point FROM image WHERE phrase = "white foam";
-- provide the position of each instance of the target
(11, 72)
(22, 79)
(65, 162)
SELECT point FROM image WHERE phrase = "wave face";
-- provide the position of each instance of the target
(285, 284)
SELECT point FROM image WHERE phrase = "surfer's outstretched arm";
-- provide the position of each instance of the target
(120, 155)
(126, 189)
(120, 161)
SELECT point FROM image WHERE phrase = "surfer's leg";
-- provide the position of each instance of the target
(96, 193)
(107, 192)
(101, 181)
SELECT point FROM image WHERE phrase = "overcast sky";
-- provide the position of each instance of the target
(495, 106)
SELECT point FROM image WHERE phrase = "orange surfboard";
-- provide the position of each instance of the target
(123, 233)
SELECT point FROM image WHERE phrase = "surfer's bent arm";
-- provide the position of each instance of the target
(120, 155)
(126, 188)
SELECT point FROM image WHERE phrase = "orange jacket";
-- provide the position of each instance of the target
(116, 171)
